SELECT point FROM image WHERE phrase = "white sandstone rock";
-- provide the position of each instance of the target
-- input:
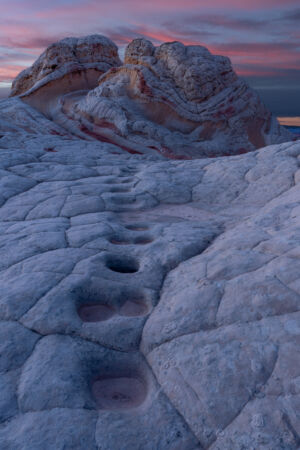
(146, 303)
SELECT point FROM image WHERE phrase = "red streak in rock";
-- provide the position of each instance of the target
(113, 70)
(167, 152)
(229, 111)
(49, 149)
(241, 151)
(102, 138)
(144, 88)
(56, 133)
(105, 124)
(218, 114)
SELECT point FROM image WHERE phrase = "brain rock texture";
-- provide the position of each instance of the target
(150, 286)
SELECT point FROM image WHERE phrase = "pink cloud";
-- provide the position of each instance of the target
(9, 72)
(28, 36)
(156, 6)
(278, 54)
(31, 25)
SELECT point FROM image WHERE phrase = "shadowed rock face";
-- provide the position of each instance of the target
(180, 101)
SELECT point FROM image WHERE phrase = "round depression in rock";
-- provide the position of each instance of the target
(118, 189)
(119, 393)
(137, 227)
(132, 308)
(143, 240)
(94, 312)
(122, 265)
(120, 241)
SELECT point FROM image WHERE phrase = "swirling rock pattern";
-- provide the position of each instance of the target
(145, 303)
(180, 101)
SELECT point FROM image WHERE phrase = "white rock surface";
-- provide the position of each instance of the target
(146, 303)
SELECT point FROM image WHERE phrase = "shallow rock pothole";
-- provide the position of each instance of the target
(99, 312)
(119, 241)
(137, 227)
(119, 393)
(122, 265)
(133, 308)
(143, 240)
(140, 240)
(92, 312)
(123, 200)
(119, 189)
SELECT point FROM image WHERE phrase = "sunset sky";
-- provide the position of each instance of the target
(262, 37)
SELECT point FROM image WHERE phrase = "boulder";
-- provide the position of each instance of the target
(179, 100)
(91, 55)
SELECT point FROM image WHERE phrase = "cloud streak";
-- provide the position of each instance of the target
(261, 40)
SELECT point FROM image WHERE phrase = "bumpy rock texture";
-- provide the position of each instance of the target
(146, 303)
(88, 57)
(180, 101)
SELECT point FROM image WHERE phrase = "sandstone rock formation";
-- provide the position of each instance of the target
(70, 56)
(145, 303)
(180, 101)
(69, 65)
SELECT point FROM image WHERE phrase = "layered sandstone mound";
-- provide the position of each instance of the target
(181, 100)
(68, 65)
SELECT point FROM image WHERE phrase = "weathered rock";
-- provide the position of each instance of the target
(58, 428)
(181, 101)
(146, 303)
(16, 345)
(80, 61)
(9, 399)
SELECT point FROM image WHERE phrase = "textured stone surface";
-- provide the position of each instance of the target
(146, 303)
(69, 56)
(58, 428)
(178, 101)
(181, 101)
